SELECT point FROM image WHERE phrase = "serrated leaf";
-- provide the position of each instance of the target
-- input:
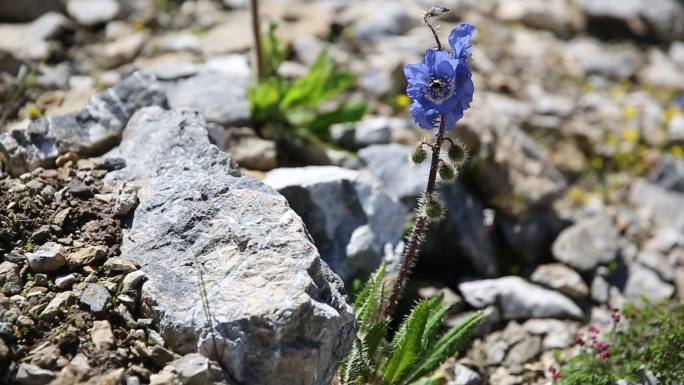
(447, 345)
(407, 344)
(374, 337)
(368, 302)
(437, 314)
(355, 365)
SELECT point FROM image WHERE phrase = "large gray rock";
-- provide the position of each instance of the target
(92, 12)
(562, 278)
(643, 281)
(614, 61)
(519, 299)
(670, 174)
(463, 227)
(349, 216)
(516, 174)
(375, 20)
(217, 89)
(277, 308)
(587, 244)
(92, 131)
(657, 19)
(664, 207)
(555, 15)
(662, 72)
(34, 40)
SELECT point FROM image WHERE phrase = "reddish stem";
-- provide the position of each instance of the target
(256, 31)
(419, 229)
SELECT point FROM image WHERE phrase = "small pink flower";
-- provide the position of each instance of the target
(604, 355)
(601, 346)
(555, 374)
(593, 331)
(579, 337)
(616, 316)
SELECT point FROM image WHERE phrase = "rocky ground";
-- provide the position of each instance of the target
(134, 186)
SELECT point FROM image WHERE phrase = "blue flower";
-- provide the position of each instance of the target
(442, 84)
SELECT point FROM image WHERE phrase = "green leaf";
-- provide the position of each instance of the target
(264, 99)
(447, 345)
(319, 84)
(368, 302)
(351, 111)
(355, 365)
(374, 337)
(437, 314)
(273, 52)
(407, 343)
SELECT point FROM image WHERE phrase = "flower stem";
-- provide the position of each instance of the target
(419, 229)
(256, 31)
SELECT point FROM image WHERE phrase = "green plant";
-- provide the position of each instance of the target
(416, 349)
(294, 106)
(651, 339)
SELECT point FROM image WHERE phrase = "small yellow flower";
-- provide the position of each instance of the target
(631, 135)
(402, 101)
(677, 151)
(630, 112)
(612, 139)
(138, 24)
(671, 112)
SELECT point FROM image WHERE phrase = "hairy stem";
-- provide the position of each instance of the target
(256, 31)
(419, 229)
(434, 11)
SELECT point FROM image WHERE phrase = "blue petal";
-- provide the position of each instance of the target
(445, 69)
(434, 57)
(452, 118)
(459, 39)
(424, 119)
(464, 85)
(415, 89)
(418, 72)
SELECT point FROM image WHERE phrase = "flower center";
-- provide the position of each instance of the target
(439, 89)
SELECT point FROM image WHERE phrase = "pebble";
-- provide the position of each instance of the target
(94, 296)
(32, 375)
(101, 335)
(47, 258)
(86, 256)
(58, 303)
(65, 281)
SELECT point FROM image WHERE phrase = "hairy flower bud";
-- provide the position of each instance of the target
(431, 208)
(446, 172)
(458, 153)
(419, 155)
